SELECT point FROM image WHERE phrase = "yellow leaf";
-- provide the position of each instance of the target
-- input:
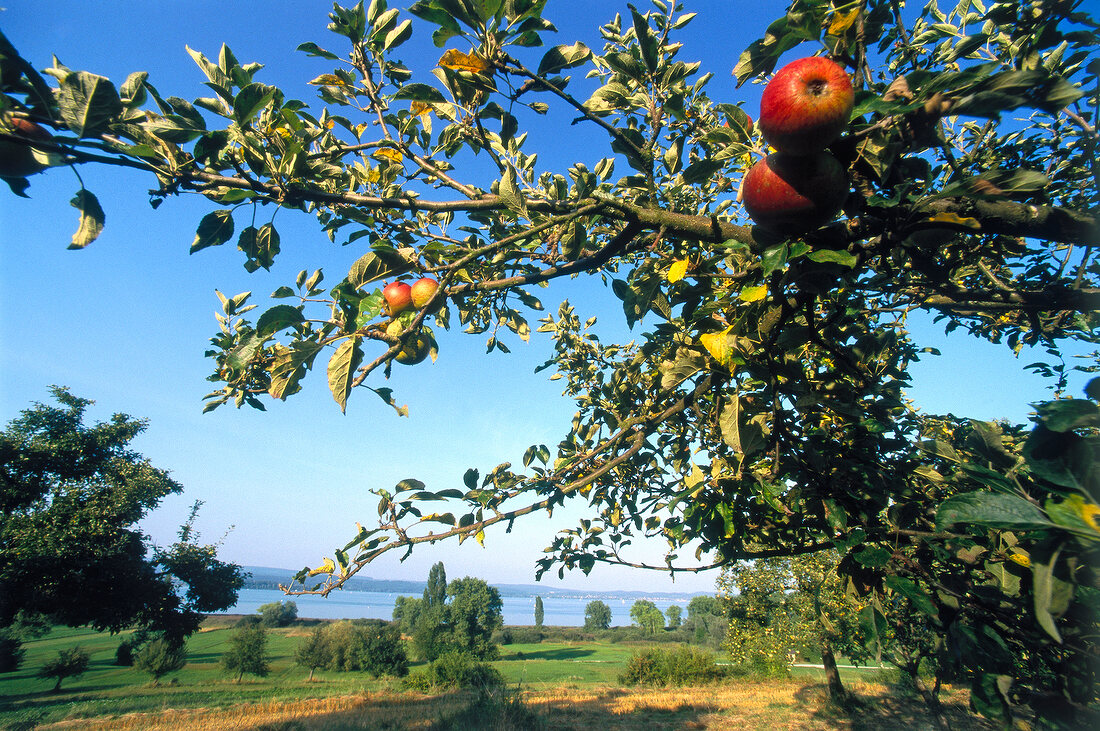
(387, 153)
(843, 21)
(678, 270)
(754, 294)
(456, 60)
(1021, 558)
(328, 80)
(717, 345)
(325, 568)
(480, 536)
(957, 220)
(420, 108)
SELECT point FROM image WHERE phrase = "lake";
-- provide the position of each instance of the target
(558, 611)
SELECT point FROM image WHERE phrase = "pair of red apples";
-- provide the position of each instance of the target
(800, 187)
(400, 296)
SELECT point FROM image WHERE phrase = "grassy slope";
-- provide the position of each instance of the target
(570, 685)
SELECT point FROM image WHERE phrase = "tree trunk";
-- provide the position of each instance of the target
(837, 693)
(930, 697)
(57, 686)
(310, 675)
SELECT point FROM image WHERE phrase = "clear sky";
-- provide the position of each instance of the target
(126, 321)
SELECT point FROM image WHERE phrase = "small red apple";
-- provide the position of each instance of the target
(806, 105)
(794, 193)
(17, 160)
(423, 290)
(398, 296)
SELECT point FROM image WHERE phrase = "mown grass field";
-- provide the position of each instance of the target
(561, 685)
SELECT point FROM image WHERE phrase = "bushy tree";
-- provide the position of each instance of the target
(69, 663)
(597, 615)
(779, 607)
(371, 646)
(761, 409)
(278, 614)
(706, 620)
(314, 652)
(71, 496)
(160, 657)
(464, 622)
(646, 615)
(247, 652)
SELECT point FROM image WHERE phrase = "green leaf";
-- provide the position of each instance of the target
(377, 264)
(992, 510)
(1068, 414)
(312, 49)
(398, 35)
(1052, 595)
(251, 100)
(290, 366)
(341, 370)
(88, 103)
(278, 318)
(214, 229)
(833, 256)
(701, 170)
(421, 93)
(774, 258)
(91, 219)
(647, 42)
(563, 57)
(260, 245)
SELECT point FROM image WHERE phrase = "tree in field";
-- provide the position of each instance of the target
(71, 496)
(161, 657)
(674, 614)
(371, 646)
(314, 651)
(780, 607)
(435, 592)
(278, 614)
(646, 615)
(706, 619)
(464, 622)
(69, 663)
(760, 410)
(539, 611)
(597, 615)
(247, 652)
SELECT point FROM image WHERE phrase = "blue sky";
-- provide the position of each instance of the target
(126, 321)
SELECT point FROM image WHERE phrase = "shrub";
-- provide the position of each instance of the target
(160, 657)
(124, 655)
(455, 670)
(11, 651)
(278, 614)
(683, 665)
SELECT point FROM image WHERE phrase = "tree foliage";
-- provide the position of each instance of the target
(247, 652)
(69, 663)
(278, 614)
(646, 615)
(761, 411)
(161, 657)
(540, 611)
(71, 496)
(597, 615)
(464, 622)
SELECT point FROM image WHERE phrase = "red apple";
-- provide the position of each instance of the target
(17, 160)
(423, 290)
(398, 296)
(794, 193)
(806, 105)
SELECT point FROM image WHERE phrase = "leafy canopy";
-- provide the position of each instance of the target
(761, 411)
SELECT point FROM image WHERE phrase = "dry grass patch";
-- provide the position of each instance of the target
(734, 706)
(385, 710)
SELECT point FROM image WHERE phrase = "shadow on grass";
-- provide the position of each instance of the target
(885, 710)
(562, 653)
